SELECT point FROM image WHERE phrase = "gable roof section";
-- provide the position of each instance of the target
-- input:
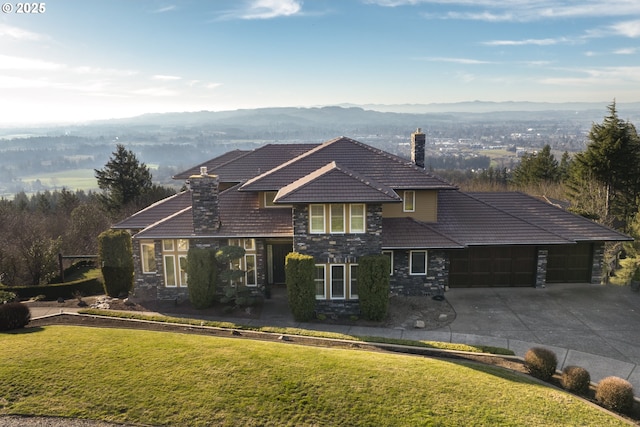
(362, 159)
(248, 164)
(473, 222)
(407, 233)
(550, 217)
(156, 212)
(240, 216)
(333, 183)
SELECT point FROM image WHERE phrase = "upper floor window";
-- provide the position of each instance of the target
(356, 218)
(337, 218)
(409, 201)
(316, 219)
(268, 198)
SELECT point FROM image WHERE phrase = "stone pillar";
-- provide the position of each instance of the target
(204, 203)
(597, 266)
(541, 268)
(417, 147)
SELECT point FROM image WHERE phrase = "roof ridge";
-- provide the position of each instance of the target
(153, 205)
(160, 221)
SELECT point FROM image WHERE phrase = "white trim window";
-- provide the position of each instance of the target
(336, 219)
(246, 263)
(353, 281)
(319, 280)
(148, 257)
(390, 255)
(174, 257)
(316, 219)
(357, 218)
(409, 201)
(338, 281)
(418, 263)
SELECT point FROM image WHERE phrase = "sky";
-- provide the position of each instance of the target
(99, 59)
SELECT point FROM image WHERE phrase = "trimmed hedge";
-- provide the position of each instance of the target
(576, 379)
(373, 286)
(14, 315)
(541, 362)
(615, 393)
(65, 290)
(115, 254)
(202, 271)
(299, 270)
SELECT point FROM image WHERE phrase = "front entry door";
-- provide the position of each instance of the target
(276, 254)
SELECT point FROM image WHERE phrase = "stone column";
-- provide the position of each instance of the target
(541, 268)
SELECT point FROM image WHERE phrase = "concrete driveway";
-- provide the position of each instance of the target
(593, 326)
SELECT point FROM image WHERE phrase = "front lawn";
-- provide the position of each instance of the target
(164, 378)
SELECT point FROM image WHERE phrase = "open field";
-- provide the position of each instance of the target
(177, 379)
(75, 179)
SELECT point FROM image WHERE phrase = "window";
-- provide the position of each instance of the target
(174, 257)
(319, 281)
(356, 218)
(148, 257)
(337, 218)
(316, 219)
(246, 263)
(268, 198)
(353, 281)
(337, 281)
(418, 262)
(390, 255)
(250, 270)
(409, 201)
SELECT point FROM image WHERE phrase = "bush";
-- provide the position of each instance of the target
(14, 315)
(7, 296)
(616, 394)
(116, 258)
(576, 379)
(299, 270)
(373, 286)
(89, 286)
(202, 272)
(541, 363)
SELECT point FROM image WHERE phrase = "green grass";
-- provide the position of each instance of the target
(74, 179)
(188, 380)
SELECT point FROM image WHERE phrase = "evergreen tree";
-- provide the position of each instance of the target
(611, 158)
(537, 168)
(123, 179)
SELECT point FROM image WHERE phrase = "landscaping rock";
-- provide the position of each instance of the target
(419, 324)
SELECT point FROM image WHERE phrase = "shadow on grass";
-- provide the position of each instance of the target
(25, 330)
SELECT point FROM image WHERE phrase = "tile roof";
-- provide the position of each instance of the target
(367, 161)
(334, 183)
(245, 165)
(471, 221)
(407, 233)
(240, 216)
(550, 217)
(156, 212)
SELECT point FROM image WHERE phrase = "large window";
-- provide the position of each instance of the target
(316, 219)
(174, 257)
(418, 262)
(247, 263)
(338, 281)
(356, 218)
(409, 201)
(148, 257)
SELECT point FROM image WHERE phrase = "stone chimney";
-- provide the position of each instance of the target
(204, 202)
(417, 148)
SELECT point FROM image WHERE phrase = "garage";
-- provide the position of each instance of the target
(492, 266)
(570, 263)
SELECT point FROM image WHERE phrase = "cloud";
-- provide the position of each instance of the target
(166, 78)
(627, 29)
(534, 42)
(265, 9)
(15, 33)
(156, 91)
(27, 64)
(457, 60)
(165, 9)
(213, 85)
(625, 51)
(605, 76)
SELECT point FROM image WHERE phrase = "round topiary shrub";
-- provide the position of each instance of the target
(14, 315)
(576, 379)
(541, 362)
(616, 394)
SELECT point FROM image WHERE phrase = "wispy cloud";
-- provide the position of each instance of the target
(534, 42)
(626, 51)
(627, 28)
(467, 61)
(522, 10)
(165, 9)
(165, 77)
(265, 9)
(27, 64)
(613, 76)
(15, 33)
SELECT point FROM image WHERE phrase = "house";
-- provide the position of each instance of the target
(343, 199)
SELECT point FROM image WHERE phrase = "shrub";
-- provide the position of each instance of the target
(373, 286)
(7, 296)
(616, 394)
(14, 315)
(202, 272)
(299, 270)
(116, 258)
(541, 362)
(576, 379)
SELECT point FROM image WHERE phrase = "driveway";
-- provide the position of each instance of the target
(593, 326)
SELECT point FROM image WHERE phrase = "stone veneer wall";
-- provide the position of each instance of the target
(597, 267)
(204, 203)
(435, 281)
(541, 268)
(145, 285)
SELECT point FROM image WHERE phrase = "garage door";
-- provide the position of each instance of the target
(569, 263)
(487, 266)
